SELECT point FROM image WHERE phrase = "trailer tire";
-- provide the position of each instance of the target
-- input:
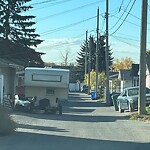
(60, 109)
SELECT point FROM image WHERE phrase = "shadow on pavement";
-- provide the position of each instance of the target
(81, 111)
(44, 128)
(75, 117)
(32, 141)
(82, 103)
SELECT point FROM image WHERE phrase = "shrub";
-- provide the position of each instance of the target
(7, 125)
(146, 117)
(148, 110)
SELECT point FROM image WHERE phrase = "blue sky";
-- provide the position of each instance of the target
(63, 23)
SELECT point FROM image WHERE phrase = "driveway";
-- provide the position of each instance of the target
(85, 124)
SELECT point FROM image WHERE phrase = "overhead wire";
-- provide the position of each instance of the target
(103, 23)
(131, 44)
(43, 2)
(135, 16)
(128, 21)
(126, 38)
(120, 16)
(121, 5)
(65, 27)
(124, 18)
(63, 44)
(50, 5)
(67, 11)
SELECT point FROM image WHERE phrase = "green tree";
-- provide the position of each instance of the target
(81, 62)
(16, 27)
(101, 80)
(20, 54)
(148, 52)
(17, 34)
(101, 56)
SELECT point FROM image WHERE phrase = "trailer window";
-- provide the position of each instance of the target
(50, 91)
(46, 78)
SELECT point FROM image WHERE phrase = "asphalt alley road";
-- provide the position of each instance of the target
(85, 125)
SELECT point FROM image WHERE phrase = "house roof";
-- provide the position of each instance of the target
(113, 75)
(8, 63)
(135, 70)
(125, 74)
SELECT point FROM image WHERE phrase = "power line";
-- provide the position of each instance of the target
(63, 44)
(113, 12)
(120, 16)
(131, 39)
(124, 18)
(45, 6)
(68, 11)
(135, 17)
(103, 23)
(121, 5)
(125, 35)
(128, 22)
(65, 27)
(131, 44)
(132, 22)
(44, 2)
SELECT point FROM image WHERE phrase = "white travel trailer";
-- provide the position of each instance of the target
(47, 83)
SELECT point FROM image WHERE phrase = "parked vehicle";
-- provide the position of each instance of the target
(113, 98)
(128, 99)
(47, 85)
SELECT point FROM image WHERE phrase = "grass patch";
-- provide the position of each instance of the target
(7, 125)
(145, 118)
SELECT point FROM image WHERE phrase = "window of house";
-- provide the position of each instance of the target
(50, 91)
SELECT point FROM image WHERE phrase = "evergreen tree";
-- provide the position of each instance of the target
(20, 54)
(81, 58)
(16, 27)
(81, 62)
(17, 34)
(101, 57)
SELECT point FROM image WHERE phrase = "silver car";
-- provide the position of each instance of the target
(128, 99)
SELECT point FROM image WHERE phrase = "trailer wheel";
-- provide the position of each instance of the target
(60, 109)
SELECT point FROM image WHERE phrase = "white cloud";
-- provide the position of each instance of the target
(54, 47)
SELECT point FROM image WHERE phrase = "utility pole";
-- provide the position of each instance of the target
(97, 48)
(107, 58)
(89, 64)
(86, 53)
(142, 90)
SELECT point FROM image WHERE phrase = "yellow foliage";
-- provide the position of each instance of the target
(124, 63)
(101, 79)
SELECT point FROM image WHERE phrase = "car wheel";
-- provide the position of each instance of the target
(119, 106)
(130, 107)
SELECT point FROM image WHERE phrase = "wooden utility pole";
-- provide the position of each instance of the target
(107, 58)
(86, 53)
(142, 90)
(89, 65)
(97, 48)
